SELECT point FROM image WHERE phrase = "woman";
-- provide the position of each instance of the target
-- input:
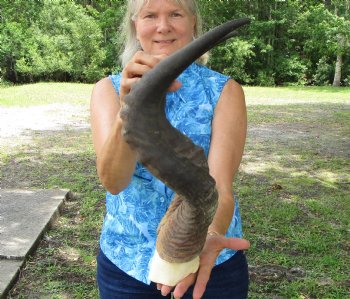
(206, 106)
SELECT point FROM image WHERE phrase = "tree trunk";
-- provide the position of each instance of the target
(337, 73)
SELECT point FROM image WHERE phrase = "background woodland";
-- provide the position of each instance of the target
(289, 42)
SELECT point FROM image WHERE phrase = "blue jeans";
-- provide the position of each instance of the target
(228, 280)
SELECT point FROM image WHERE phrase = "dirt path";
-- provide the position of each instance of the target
(19, 125)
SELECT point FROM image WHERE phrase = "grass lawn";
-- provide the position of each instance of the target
(44, 94)
(293, 186)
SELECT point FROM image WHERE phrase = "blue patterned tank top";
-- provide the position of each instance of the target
(129, 230)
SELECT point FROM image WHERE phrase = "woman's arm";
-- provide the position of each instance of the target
(115, 160)
(229, 130)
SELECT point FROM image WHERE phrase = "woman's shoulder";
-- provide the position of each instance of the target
(109, 83)
(103, 86)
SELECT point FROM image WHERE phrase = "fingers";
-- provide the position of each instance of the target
(236, 243)
(137, 67)
(202, 280)
(208, 260)
(140, 64)
(183, 285)
(165, 290)
(175, 86)
(208, 257)
(135, 70)
(180, 288)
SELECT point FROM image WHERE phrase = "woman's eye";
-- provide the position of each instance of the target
(176, 14)
(149, 16)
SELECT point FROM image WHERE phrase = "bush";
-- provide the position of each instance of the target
(324, 72)
(62, 43)
(347, 81)
(230, 58)
(290, 70)
(265, 79)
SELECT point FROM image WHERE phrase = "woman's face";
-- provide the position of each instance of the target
(162, 27)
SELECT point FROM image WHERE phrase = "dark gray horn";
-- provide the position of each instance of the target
(171, 156)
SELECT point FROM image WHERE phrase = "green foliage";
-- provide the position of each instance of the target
(290, 70)
(347, 81)
(231, 57)
(327, 35)
(15, 41)
(61, 43)
(110, 20)
(68, 45)
(288, 42)
(288, 38)
(264, 79)
(324, 72)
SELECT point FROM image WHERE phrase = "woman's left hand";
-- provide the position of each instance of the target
(212, 248)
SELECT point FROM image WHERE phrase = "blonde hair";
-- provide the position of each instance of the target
(131, 44)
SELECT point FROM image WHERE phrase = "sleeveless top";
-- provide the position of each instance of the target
(129, 230)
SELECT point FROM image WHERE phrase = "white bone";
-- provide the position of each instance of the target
(170, 274)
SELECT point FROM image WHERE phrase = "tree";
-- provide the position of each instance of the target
(16, 38)
(109, 15)
(327, 36)
(341, 8)
(288, 42)
(276, 60)
(59, 42)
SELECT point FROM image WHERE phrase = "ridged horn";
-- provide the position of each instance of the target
(171, 156)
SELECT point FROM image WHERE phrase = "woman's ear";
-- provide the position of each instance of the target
(194, 24)
(135, 28)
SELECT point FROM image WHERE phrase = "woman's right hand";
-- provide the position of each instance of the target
(140, 63)
(115, 159)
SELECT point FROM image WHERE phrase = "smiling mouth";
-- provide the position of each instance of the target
(165, 42)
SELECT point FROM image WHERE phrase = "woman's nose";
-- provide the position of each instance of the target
(163, 25)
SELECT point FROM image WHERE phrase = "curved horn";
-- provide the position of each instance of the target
(173, 157)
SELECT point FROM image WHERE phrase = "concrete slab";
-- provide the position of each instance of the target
(24, 216)
(9, 271)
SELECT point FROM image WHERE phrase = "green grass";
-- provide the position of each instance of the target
(290, 95)
(44, 94)
(293, 186)
(304, 149)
